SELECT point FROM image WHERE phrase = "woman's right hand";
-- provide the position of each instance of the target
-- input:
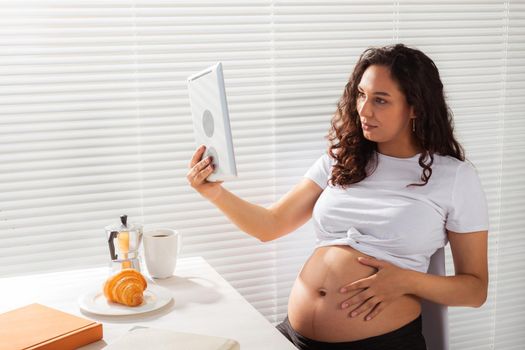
(200, 169)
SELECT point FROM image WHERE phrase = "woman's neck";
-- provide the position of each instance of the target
(399, 151)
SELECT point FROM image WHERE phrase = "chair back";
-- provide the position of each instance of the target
(435, 316)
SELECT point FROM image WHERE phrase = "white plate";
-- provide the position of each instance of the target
(95, 302)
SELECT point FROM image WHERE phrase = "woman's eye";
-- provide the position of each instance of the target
(378, 100)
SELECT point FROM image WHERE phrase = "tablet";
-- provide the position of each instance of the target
(211, 120)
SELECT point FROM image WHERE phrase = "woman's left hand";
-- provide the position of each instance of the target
(376, 291)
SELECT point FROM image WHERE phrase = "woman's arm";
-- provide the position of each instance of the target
(279, 219)
(468, 287)
(266, 224)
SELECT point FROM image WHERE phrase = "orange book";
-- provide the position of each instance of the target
(40, 327)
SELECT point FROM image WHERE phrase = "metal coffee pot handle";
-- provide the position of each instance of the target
(111, 244)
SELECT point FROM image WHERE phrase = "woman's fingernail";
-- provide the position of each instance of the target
(353, 314)
(343, 290)
(368, 318)
(345, 305)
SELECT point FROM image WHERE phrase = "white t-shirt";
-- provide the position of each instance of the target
(380, 216)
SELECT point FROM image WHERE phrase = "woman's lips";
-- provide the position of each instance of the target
(368, 126)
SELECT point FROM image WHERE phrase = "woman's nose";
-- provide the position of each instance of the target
(365, 108)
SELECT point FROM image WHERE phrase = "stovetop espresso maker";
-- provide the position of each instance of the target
(124, 241)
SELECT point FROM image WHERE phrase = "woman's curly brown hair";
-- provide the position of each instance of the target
(418, 78)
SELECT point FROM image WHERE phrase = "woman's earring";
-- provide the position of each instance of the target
(413, 124)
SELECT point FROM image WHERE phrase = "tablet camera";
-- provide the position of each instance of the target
(207, 123)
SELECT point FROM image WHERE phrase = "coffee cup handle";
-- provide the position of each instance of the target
(179, 244)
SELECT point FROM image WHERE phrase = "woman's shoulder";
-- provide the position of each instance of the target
(320, 170)
(453, 167)
(326, 160)
(447, 161)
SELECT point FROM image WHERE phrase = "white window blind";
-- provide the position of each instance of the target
(95, 122)
(509, 318)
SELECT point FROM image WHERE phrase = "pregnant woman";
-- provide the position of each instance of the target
(392, 188)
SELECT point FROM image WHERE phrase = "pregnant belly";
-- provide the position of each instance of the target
(314, 307)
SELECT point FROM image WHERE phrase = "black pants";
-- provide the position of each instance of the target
(408, 337)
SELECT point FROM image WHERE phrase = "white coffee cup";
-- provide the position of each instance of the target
(161, 249)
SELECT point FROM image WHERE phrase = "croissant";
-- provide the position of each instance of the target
(126, 287)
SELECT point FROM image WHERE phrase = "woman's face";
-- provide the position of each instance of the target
(383, 110)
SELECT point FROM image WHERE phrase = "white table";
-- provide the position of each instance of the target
(203, 303)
